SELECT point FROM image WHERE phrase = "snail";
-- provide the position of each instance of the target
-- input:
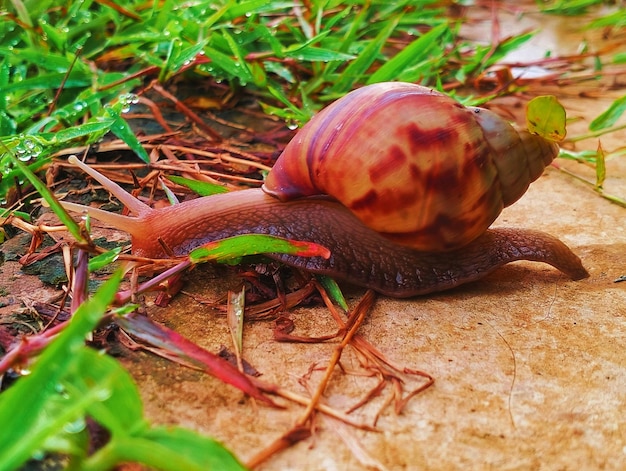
(399, 181)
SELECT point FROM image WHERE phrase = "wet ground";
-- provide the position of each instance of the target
(529, 367)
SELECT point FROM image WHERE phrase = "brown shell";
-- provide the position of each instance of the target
(412, 164)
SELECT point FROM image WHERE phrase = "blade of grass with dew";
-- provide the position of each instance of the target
(223, 61)
(245, 75)
(120, 409)
(122, 130)
(178, 58)
(9, 178)
(97, 386)
(318, 54)
(40, 146)
(65, 218)
(8, 124)
(253, 7)
(290, 113)
(51, 81)
(85, 102)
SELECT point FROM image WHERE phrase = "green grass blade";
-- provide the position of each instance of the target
(166, 449)
(199, 187)
(413, 53)
(104, 259)
(610, 116)
(232, 249)
(119, 408)
(122, 130)
(65, 218)
(333, 290)
(365, 59)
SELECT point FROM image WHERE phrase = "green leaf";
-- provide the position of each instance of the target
(568, 7)
(22, 406)
(93, 129)
(610, 116)
(51, 81)
(233, 248)
(104, 259)
(616, 19)
(119, 408)
(333, 290)
(619, 58)
(199, 187)
(318, 54)
(223, 61)
(205, 452)
(600, 168)
(20, 214)
(546, 117)
(167, 449)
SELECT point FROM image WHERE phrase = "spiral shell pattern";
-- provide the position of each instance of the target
(411, 163)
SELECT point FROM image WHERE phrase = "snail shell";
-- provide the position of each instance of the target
(412, 163)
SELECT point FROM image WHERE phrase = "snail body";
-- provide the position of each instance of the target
(303, 197)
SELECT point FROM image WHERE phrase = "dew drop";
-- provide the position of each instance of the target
(127, 100)
(75, 427)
